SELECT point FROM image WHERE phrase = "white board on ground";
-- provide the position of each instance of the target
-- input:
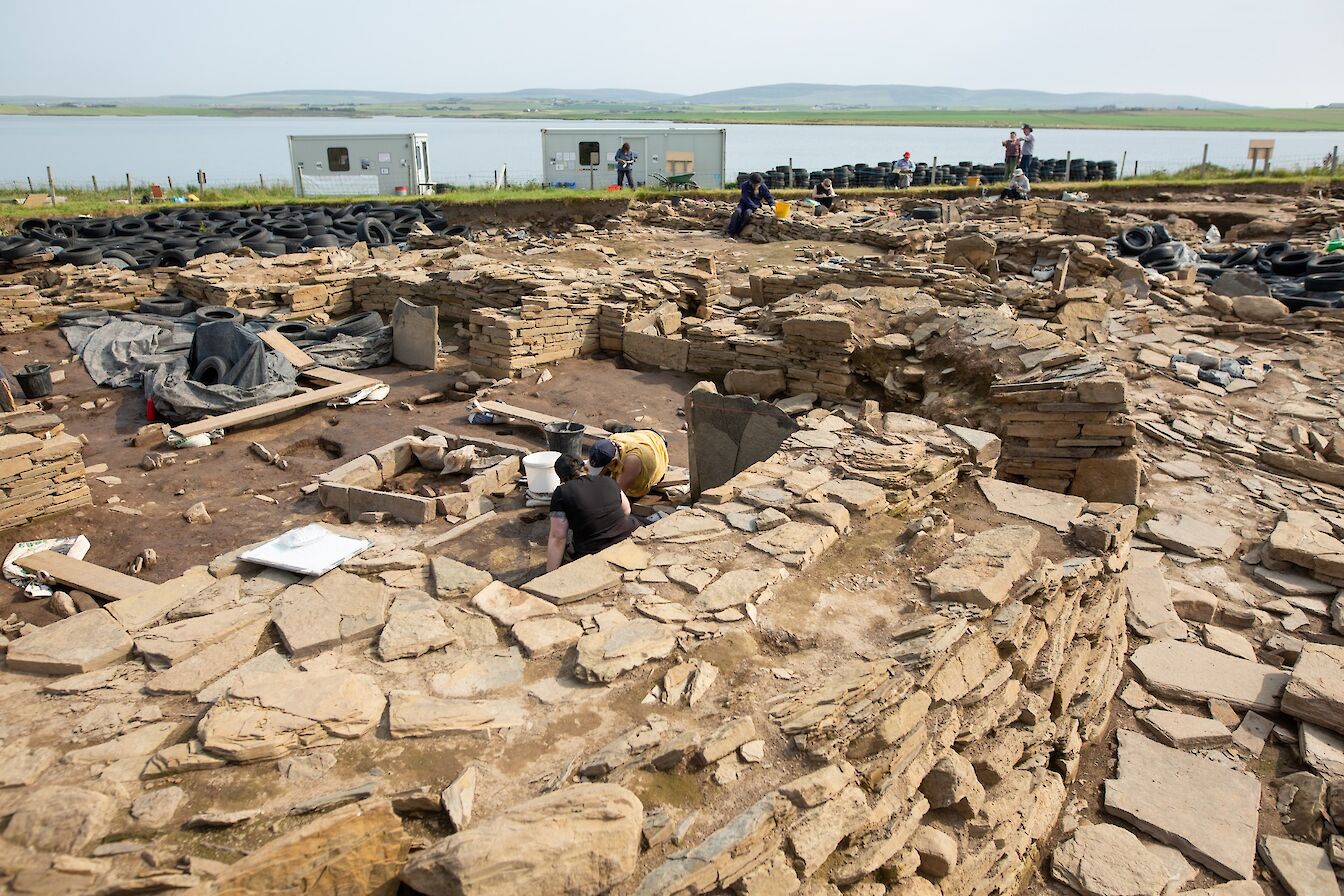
(310, 550)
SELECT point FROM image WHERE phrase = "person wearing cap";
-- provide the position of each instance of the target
(636, 460)
(754, 194)
(588, 514)
(905, 169)
(1028, 148)
(1018, 188)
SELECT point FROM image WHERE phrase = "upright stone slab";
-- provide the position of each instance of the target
(415, 335)
(727, 433)
(1204, 809)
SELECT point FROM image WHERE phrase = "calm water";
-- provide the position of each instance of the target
(236, 150)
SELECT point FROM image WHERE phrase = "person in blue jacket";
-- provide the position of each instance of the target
(754, 194)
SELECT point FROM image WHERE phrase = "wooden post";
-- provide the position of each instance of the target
(1120, 173)
(51, 187)
(200, 179)
(933, 172)
(1334, 160)
(30, 185)
(1136, 167)
(790, 171)
(129, 196)
(261, 178)
(1204, 163)
(170, 183)
(94, 178)
(1068, 163)
(1253, 164)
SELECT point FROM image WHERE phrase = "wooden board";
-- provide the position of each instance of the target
(342, 384)
(84, 576)
(535, 418)
(291, 352)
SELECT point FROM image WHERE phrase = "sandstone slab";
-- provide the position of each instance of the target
(1107, 860)
(414, 626)
(456, 581)
(580, 841)
(1040, 506)
(1187, 732)
(984, 570)
(1315, 693)
(1304, 869)
(81, 643)
(604, 656)
(575, 581)
(60, 819)
(1150, 612)
(1192, 536)
(1192, 672)
(272, 715)
(509, 606)
(410, 714)
(215, 661)
(1204, 809)
(546, 635)
(335, 608)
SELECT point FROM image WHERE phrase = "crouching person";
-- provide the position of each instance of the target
(590, 511)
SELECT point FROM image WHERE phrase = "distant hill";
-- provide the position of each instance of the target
(877, 96)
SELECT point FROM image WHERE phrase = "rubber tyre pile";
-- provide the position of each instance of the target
(172, 236)
(1299, 278)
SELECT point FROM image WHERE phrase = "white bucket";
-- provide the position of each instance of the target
(540, 470)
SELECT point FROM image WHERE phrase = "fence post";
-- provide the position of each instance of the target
(129, 196)
(1334, 160)
(262, 179)
(1136, 167)
(200, 179)
(170, 183)
(1120, 172)
(94, 178)
(51, 187)
(30, 185)
(1068, 163)
(1204, 163)
(790, 171)
(933, 172)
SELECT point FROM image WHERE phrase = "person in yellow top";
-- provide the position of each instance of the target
(636, 460)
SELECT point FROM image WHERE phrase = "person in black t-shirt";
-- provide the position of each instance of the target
(592, 509)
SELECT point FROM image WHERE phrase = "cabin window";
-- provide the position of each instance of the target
(338, 158)
(590, 153)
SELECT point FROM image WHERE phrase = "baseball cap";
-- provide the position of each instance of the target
(602, 453)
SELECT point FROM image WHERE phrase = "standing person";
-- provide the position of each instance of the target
(1012, 154)
(905, 169)
(1018, 188)
(625, 166)
(825, 194)
(754, 194)
(592, 509)
(636, 460)
(1028, 149)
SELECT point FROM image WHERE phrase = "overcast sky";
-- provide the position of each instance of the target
(1244, 51)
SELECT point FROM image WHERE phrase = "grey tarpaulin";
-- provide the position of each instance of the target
(159, 354)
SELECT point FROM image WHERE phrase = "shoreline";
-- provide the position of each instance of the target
(954, 119)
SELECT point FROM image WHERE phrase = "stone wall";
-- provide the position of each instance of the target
(41, 469)
(33, 297)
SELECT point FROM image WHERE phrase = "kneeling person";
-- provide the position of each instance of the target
(590, 508)
(637, 460)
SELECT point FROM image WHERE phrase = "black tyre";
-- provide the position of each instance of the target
(21, 249)
(374, 232)
(1274, 250)
(293, 330)
(129, 226)
(321, 241)
(1326, 264)
(1135, 240)
(461, 230)
(81, 257)
(171, 258)
(1310, 300)
(1160, 235)
(210, 371)
(165, 307)
(357, 325)
(119, 258)
(212, 313)
(95, 230)
(1294, 262)
(926, 214)
(1158, 254)
(212, 246)
(1242, 258)
(1332, 281)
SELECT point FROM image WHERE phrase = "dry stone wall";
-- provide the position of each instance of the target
(41, 469)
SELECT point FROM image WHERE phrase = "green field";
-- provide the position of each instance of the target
(1149, 119)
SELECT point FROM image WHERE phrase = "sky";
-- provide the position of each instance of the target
(1241, 51)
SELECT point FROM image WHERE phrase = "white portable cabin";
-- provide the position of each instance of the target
(585, 158)
(360, 164)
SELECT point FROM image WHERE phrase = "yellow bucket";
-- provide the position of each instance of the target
(782, 209)
(972, 180)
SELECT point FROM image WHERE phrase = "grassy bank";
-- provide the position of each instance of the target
(1106, 119)
(105, 203)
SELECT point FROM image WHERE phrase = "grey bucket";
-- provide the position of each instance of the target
(34, 380)
(565, 437)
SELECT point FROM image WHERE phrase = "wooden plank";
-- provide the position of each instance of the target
(84, 576)
(535, 418)
(291, 352)
(234, 419)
